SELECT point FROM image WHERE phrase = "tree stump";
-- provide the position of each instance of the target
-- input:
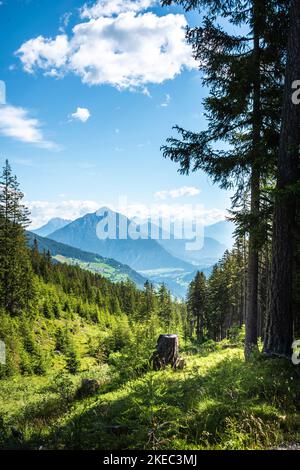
(88, 388)
(166, 351)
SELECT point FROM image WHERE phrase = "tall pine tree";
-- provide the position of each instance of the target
(16, 279)
(196, 304)
(244, 73)
(279, 334)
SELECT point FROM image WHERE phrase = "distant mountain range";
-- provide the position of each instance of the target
(163, 260)
(222, 232)
(139, 254)
(109, 268)
(215, 240)
(51, 226)
(210, 252)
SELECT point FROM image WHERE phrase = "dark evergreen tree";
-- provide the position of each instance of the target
(196, 304)
(16, 283)
(35, 257)
(165, 308)
(73, 361)
(216, 304)
(279, 334)
(149, 303)
(244, 74)
(225, 294)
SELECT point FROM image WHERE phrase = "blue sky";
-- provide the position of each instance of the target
(82, 128)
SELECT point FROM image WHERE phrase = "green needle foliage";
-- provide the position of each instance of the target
(16, 287)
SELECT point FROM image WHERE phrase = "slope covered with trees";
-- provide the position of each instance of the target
(109, 268)
(41, 300)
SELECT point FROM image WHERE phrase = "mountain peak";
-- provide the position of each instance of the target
(51, 226)
(58, 220)
(138, 253)
(104, 210)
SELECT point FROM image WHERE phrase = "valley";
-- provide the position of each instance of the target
(161, 261)
(108, 268)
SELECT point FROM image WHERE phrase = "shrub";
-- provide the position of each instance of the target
(73, 361)
(119, 336)
(64, 386)
(62, 340)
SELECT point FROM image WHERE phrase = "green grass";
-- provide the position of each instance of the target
(217, 402)
(109, 272)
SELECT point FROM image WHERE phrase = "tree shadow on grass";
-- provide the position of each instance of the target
(228, 404)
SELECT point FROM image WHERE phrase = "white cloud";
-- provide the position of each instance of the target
(43, 211)
(186, 212)
(115, 45)
(81, 114)
(16, 123)
(2, 92)
(47, 54)
(114, 7)
(166, 102)
(176, 193)
(64, 20)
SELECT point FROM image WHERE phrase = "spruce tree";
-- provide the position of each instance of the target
(196, 303)
(16, 279)
(165, 308)
(244, 73)
(279, 334)
(149, 303)
(35, 257)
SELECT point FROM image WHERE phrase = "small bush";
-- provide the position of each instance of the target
(64, 386)
(62, 340)
(72, 361)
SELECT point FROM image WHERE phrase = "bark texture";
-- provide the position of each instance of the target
(252, 288)
(279, 332)
(166, 351)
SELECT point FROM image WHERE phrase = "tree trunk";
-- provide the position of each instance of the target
(199, 327)
(245, 279)
(279, 334)
(252, 290)
(192, 327)
(166, 351)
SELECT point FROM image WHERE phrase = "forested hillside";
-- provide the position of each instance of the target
(109, 268)
(42, 300)
(140, 254)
